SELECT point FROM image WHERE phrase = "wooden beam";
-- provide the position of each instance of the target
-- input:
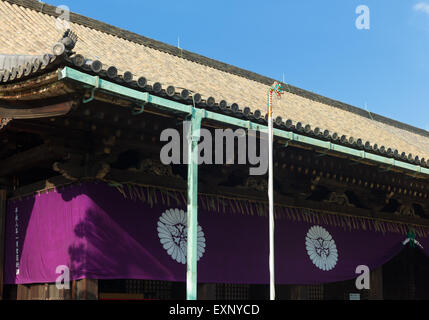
(125, 176)
(73, 171)
(45, 129)
(29, 158)
(53, 110)
(40, 185)
(3, 200)
(376, 284)
(147, 179)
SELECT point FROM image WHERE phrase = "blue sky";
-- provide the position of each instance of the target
(314, 43)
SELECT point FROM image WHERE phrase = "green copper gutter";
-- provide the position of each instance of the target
(93, 81)
(196, 117)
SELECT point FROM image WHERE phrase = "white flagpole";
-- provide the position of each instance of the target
(278, 90)
(271, 200)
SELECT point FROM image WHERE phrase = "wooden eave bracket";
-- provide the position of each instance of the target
(52, 110)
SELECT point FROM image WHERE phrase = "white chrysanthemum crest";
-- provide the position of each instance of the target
(172, 233)
(321, 248)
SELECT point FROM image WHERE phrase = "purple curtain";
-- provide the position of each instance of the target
(106, 232)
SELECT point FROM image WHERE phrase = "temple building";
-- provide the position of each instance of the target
(85, 195)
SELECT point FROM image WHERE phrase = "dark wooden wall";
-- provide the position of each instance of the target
(406, 276)
(2, 238)
(340, 290)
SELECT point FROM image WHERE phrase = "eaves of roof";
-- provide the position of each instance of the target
(49, 62)
(184, 54)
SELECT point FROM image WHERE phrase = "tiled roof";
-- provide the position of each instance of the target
(33, 26)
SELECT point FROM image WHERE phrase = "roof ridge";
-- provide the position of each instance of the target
(197, 58)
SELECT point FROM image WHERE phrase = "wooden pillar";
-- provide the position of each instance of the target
(298, 292)
(33, 291)
(23, 292)
(57, 294)
(376, 284)
(2, 238)
(85, 289)
(410, 263)
(206, 291)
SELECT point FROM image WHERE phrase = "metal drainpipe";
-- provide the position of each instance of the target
(96, 86)
(192, 210)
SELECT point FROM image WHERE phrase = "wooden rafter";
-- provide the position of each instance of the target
(53, 110)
